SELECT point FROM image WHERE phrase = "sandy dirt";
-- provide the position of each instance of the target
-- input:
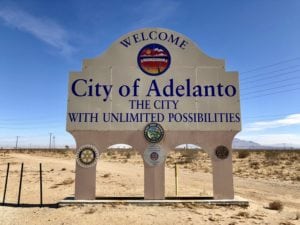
(123, 176)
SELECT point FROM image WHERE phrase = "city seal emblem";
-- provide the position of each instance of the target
(154, 59)
(87, 155)
(153, 132)
(154, 155)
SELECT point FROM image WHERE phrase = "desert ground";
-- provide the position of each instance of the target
(269, 180)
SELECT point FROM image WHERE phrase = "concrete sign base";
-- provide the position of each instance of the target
(154, 176)
(168, 201)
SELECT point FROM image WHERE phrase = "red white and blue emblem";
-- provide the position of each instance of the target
(154, 59)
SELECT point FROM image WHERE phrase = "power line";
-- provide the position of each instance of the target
(274, 71)
(268, 89)
(273, 93)
(270, 65)
(36, 118)
(273, 82)
(24, 122)
(272, 76)
(29, 127)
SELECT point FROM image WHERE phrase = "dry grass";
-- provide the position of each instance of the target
(281, 165)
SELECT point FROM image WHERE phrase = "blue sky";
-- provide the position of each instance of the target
(41, 41)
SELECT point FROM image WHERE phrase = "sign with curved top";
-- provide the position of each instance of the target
(158, 76)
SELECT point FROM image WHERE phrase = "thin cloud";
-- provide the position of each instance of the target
(293, 119)
(45, 30)
(152, 12)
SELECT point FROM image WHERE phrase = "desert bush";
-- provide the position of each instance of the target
(128, 155)
(90, 211)
(288, 163)
(286, 223)
(243, 214)
(243, 154)
(276, 205)
(106, 175)
(297, 216)
(254, 165)
(296, 178)
(187, 156)
(109, 153)
(271, 155)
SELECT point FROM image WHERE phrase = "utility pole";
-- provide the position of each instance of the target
(53, 141)
(50, 140)
(17, 140)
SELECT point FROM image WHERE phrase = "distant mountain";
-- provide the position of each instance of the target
(242, 144)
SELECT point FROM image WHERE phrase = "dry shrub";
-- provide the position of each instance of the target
(128, 155)
(297, 217)
(288, 163)
(188, 156)
(106, 175)
(276, 205)
(90, 211)
(232, 223)
(254, 165)
(109, 153)
(211, 218)
(243, 214)
(271, 155)
(243, 154)
(206, 170)
(286, 223)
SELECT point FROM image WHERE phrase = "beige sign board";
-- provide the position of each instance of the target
(153, 75)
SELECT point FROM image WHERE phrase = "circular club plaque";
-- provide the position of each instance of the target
(222, 152)
(153, 132)
(87, 155)
(154, 155)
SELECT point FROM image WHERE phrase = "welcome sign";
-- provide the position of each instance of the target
(153, 89)
(153, 76)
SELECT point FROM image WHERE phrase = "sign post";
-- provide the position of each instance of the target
(153, 89)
